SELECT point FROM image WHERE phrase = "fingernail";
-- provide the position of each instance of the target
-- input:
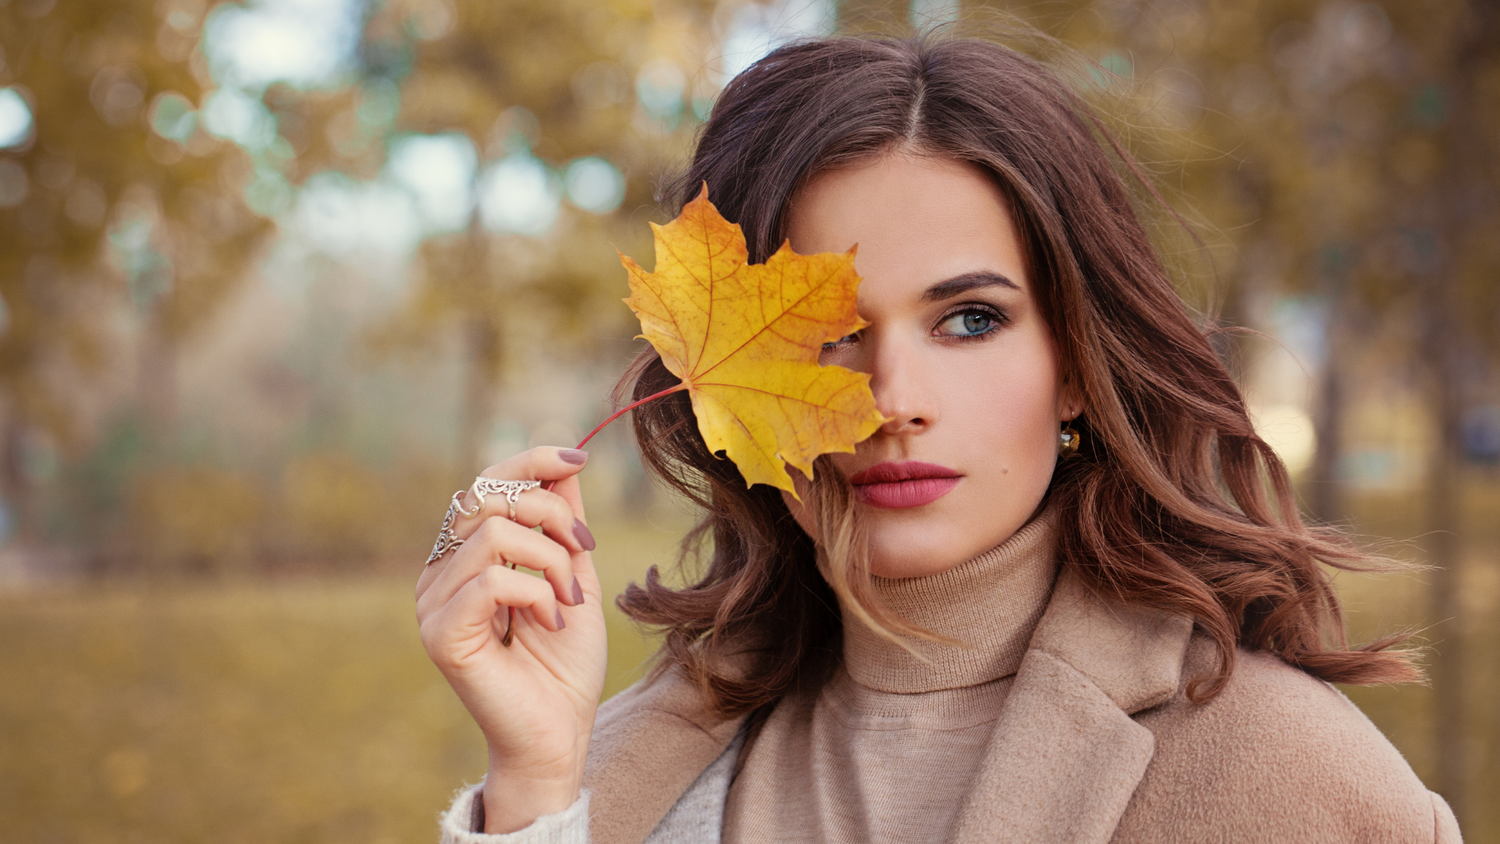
(577, 593)
(581, 533)
(575, 456)
(560, 623)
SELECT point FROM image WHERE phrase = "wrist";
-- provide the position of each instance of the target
(513, 801)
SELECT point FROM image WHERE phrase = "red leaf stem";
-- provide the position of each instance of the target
(632, 406)
(621, 412)
(511, 611)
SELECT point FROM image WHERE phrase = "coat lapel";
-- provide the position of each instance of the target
(1063, 763)
(650, 743)
(1066, 756)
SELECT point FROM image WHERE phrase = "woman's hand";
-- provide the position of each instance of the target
(534, 700)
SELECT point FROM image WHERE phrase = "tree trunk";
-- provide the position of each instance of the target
(481, 346)
(15, 486)
(1443, 503)
(1467, 152)
(156, 386)
(481, 343)
(1324, 486)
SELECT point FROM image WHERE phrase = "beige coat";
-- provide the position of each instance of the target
(1097, 742)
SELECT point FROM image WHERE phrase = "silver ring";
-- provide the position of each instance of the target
(447, 539)
(491, 486)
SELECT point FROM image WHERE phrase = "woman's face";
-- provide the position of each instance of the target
(959, 356)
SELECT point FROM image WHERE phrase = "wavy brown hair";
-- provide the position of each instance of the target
(1173, 500)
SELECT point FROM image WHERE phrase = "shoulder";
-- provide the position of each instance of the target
(651, 742)
(661, 718)
(1283, 754)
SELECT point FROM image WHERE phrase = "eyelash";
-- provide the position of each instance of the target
(998, 319)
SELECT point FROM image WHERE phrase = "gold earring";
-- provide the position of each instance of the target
(1068, 440)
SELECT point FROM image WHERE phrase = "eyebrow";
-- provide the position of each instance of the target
(961, 284)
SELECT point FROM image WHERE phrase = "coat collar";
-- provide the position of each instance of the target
(1063, 762)
(1066, 756)
(650, 742)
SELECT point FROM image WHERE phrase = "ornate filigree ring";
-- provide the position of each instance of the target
(491, 486)
(447, 539)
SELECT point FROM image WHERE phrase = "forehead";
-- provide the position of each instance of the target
(917, 221)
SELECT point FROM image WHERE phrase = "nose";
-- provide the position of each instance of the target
(901, 389)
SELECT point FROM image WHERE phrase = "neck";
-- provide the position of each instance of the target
(989, 605)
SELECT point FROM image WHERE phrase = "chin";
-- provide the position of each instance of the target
(912, 544)
(898, 556)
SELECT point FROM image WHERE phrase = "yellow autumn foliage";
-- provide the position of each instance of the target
(745, 338)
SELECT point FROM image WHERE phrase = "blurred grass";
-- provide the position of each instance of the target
(297, 710)
(292, 710)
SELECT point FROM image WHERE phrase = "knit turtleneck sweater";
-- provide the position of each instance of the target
(887, 749)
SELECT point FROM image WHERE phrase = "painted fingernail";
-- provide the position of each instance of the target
(560, 623)
(575, 456)
(581, 533)
(577, 593)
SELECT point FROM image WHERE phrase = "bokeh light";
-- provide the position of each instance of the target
(519, 194)
(302, 42)
(659, 87)
(172, 116)
(350, 218)
(439, 170)
(15, 118)
(1288, 429)
(239, 117)
(594, 184)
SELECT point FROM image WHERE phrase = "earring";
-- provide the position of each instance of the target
(1068, 440)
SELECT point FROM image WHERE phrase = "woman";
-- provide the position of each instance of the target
(1063, 594)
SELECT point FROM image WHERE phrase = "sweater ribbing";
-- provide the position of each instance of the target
(888, 748)
(990, 604)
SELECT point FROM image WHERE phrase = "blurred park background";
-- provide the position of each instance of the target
(277, 276)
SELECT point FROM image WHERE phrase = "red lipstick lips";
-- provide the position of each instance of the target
(907, 484)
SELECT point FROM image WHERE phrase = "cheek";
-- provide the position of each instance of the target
(1014, 415)
(799, 509)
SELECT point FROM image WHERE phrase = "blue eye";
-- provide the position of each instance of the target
(842, 341)
(967, 324)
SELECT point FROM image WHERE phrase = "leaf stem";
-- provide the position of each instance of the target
(510, 612)
(629, 407)
(616, 415)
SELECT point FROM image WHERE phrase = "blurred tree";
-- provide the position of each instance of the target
(542, 92)
(1455, 219)
(116, 201)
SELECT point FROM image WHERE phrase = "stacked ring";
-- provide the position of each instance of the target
(447, 539)
(512, 490)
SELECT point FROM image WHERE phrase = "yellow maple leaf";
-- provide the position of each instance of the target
(744, 339)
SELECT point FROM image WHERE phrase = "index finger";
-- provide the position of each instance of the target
(555, 467)
(543, 463)
(548, 464)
